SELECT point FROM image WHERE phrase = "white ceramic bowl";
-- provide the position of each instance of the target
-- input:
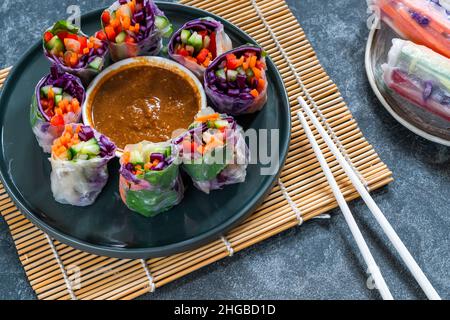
(133, 62)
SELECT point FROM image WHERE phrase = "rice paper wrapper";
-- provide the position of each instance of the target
(243, 103)
(149, 39)
(223, 42)
(222, 166)
(82, 71)
(44, 131)
(419, 75)
(156, 191)
(79, 182)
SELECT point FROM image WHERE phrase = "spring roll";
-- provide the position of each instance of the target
(424, 22)
(420, 75)
(236, 81)
(56, 102)
(135, 28)
(67, 47)
(150, 181)
(214, 152)
(80, 165)
(197, 43)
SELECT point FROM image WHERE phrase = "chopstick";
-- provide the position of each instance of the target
(362, 245)
(373, 207)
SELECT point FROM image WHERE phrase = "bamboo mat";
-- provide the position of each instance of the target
(57, 271)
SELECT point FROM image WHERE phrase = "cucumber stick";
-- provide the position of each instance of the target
(185, 35)
(164, 26)
(196, 41)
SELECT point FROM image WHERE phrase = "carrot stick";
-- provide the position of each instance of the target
(208, 117)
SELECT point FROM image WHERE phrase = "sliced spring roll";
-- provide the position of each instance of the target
(80, 165)
(56, 102)
(135, 28)
(214, 151)
(150, 181)
(420, 75)
(236, 81)
(67, 47)
(197, 43)
(425, 22)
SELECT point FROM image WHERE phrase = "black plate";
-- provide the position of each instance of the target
(108, 227)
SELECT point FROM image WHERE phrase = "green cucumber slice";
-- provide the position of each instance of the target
(58, 98)
(185, 35)
(231, 75)
(96, 64)
(164, 25)
(136, 157)
(220, 73)
(120, 38)
(221, 124)
(44, 90)
(196, 41)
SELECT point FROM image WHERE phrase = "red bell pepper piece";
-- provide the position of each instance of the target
(106, 17)
(101, 35)
(212, 45)
(62, 35)
(232, 62)
(110, 33)
(183, 52)
(48, 36)
(129, 40)
(83, 42)
(201, 57)
(57, 120)
(72, 36)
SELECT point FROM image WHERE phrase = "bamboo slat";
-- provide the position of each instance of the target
(57, 271)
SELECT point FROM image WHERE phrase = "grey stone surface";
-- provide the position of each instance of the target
(320, 259)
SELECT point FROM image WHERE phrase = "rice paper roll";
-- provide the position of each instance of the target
(150, 181)
(197, 43)
(67, 47)
(236, 81)
(56, 102)
(214, 152)
(135, 28)
(419, 75)
(80, 165)
(425, 22)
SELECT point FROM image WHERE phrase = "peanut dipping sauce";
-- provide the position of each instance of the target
(144, 103)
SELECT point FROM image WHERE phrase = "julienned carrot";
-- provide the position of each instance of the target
(428, 36)
(252, 63)
(208, 117)
(422, 34)
(261, 85)
(254, 93)
(438, 22)
(257, 73)
(67, 139)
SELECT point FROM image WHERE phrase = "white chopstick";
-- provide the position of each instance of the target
(381, 219)
(362, 245)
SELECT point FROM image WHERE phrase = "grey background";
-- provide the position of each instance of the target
(318, 260)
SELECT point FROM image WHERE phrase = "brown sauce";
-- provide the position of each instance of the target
(144, 103)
